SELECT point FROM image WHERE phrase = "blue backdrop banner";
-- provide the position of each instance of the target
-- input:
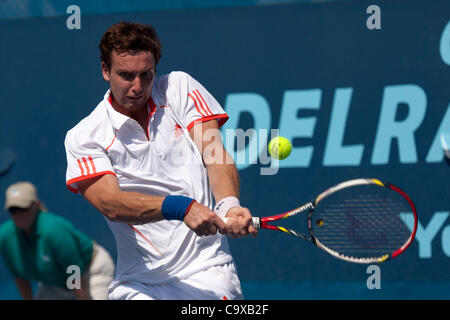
(360, 88)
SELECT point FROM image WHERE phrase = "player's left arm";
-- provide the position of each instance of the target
(223, 175)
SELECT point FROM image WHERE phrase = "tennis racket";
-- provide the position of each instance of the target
(360, 221)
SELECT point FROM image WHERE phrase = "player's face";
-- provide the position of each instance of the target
(131, 79)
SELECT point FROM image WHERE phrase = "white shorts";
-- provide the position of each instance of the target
(219, 282)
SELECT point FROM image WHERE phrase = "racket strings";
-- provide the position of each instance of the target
(362, 224)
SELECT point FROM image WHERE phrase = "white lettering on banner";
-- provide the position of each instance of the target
(335, 152)
(426, 234)
(390, 130)
(403, 131)
(292, 127)
(435, 154)
(444, 46)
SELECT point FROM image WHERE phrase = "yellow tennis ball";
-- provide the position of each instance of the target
(280, 148)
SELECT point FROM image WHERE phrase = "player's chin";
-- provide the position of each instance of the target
(136, 104)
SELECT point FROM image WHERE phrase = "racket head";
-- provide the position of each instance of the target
(363, 221)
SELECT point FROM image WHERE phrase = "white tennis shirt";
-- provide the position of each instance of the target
(167, 162)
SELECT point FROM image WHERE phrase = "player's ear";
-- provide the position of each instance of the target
(105, 71)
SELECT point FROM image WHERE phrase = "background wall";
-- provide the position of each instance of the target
(355, 102)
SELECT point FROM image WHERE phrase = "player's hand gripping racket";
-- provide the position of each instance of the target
(361, 221)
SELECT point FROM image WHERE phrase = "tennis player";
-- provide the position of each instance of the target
(149, 157)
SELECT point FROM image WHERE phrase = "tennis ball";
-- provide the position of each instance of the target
(280, 148)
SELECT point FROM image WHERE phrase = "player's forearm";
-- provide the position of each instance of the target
(224, 178)
(222, 173)
(131, 207)
(104, 193)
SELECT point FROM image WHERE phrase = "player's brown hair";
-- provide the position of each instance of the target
(129, 37)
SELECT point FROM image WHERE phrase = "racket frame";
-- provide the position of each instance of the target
(309, 207)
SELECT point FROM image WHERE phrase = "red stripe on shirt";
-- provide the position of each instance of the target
(201, 97)
(92, 164)
(196, 105)
(148, 241)
(81, 167)
(86, 165)
(84, 177)
(221, 118)
(201, 104)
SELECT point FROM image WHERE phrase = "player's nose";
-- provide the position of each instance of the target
(137, 86)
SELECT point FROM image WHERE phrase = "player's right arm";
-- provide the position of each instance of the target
(90, 172)
(104, 193)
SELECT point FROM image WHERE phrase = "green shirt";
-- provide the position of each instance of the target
(44, 255)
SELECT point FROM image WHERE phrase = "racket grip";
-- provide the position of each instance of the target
(256, 222)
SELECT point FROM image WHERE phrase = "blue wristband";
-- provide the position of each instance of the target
(176, 207)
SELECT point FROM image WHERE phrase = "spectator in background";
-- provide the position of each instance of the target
(37, 245)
